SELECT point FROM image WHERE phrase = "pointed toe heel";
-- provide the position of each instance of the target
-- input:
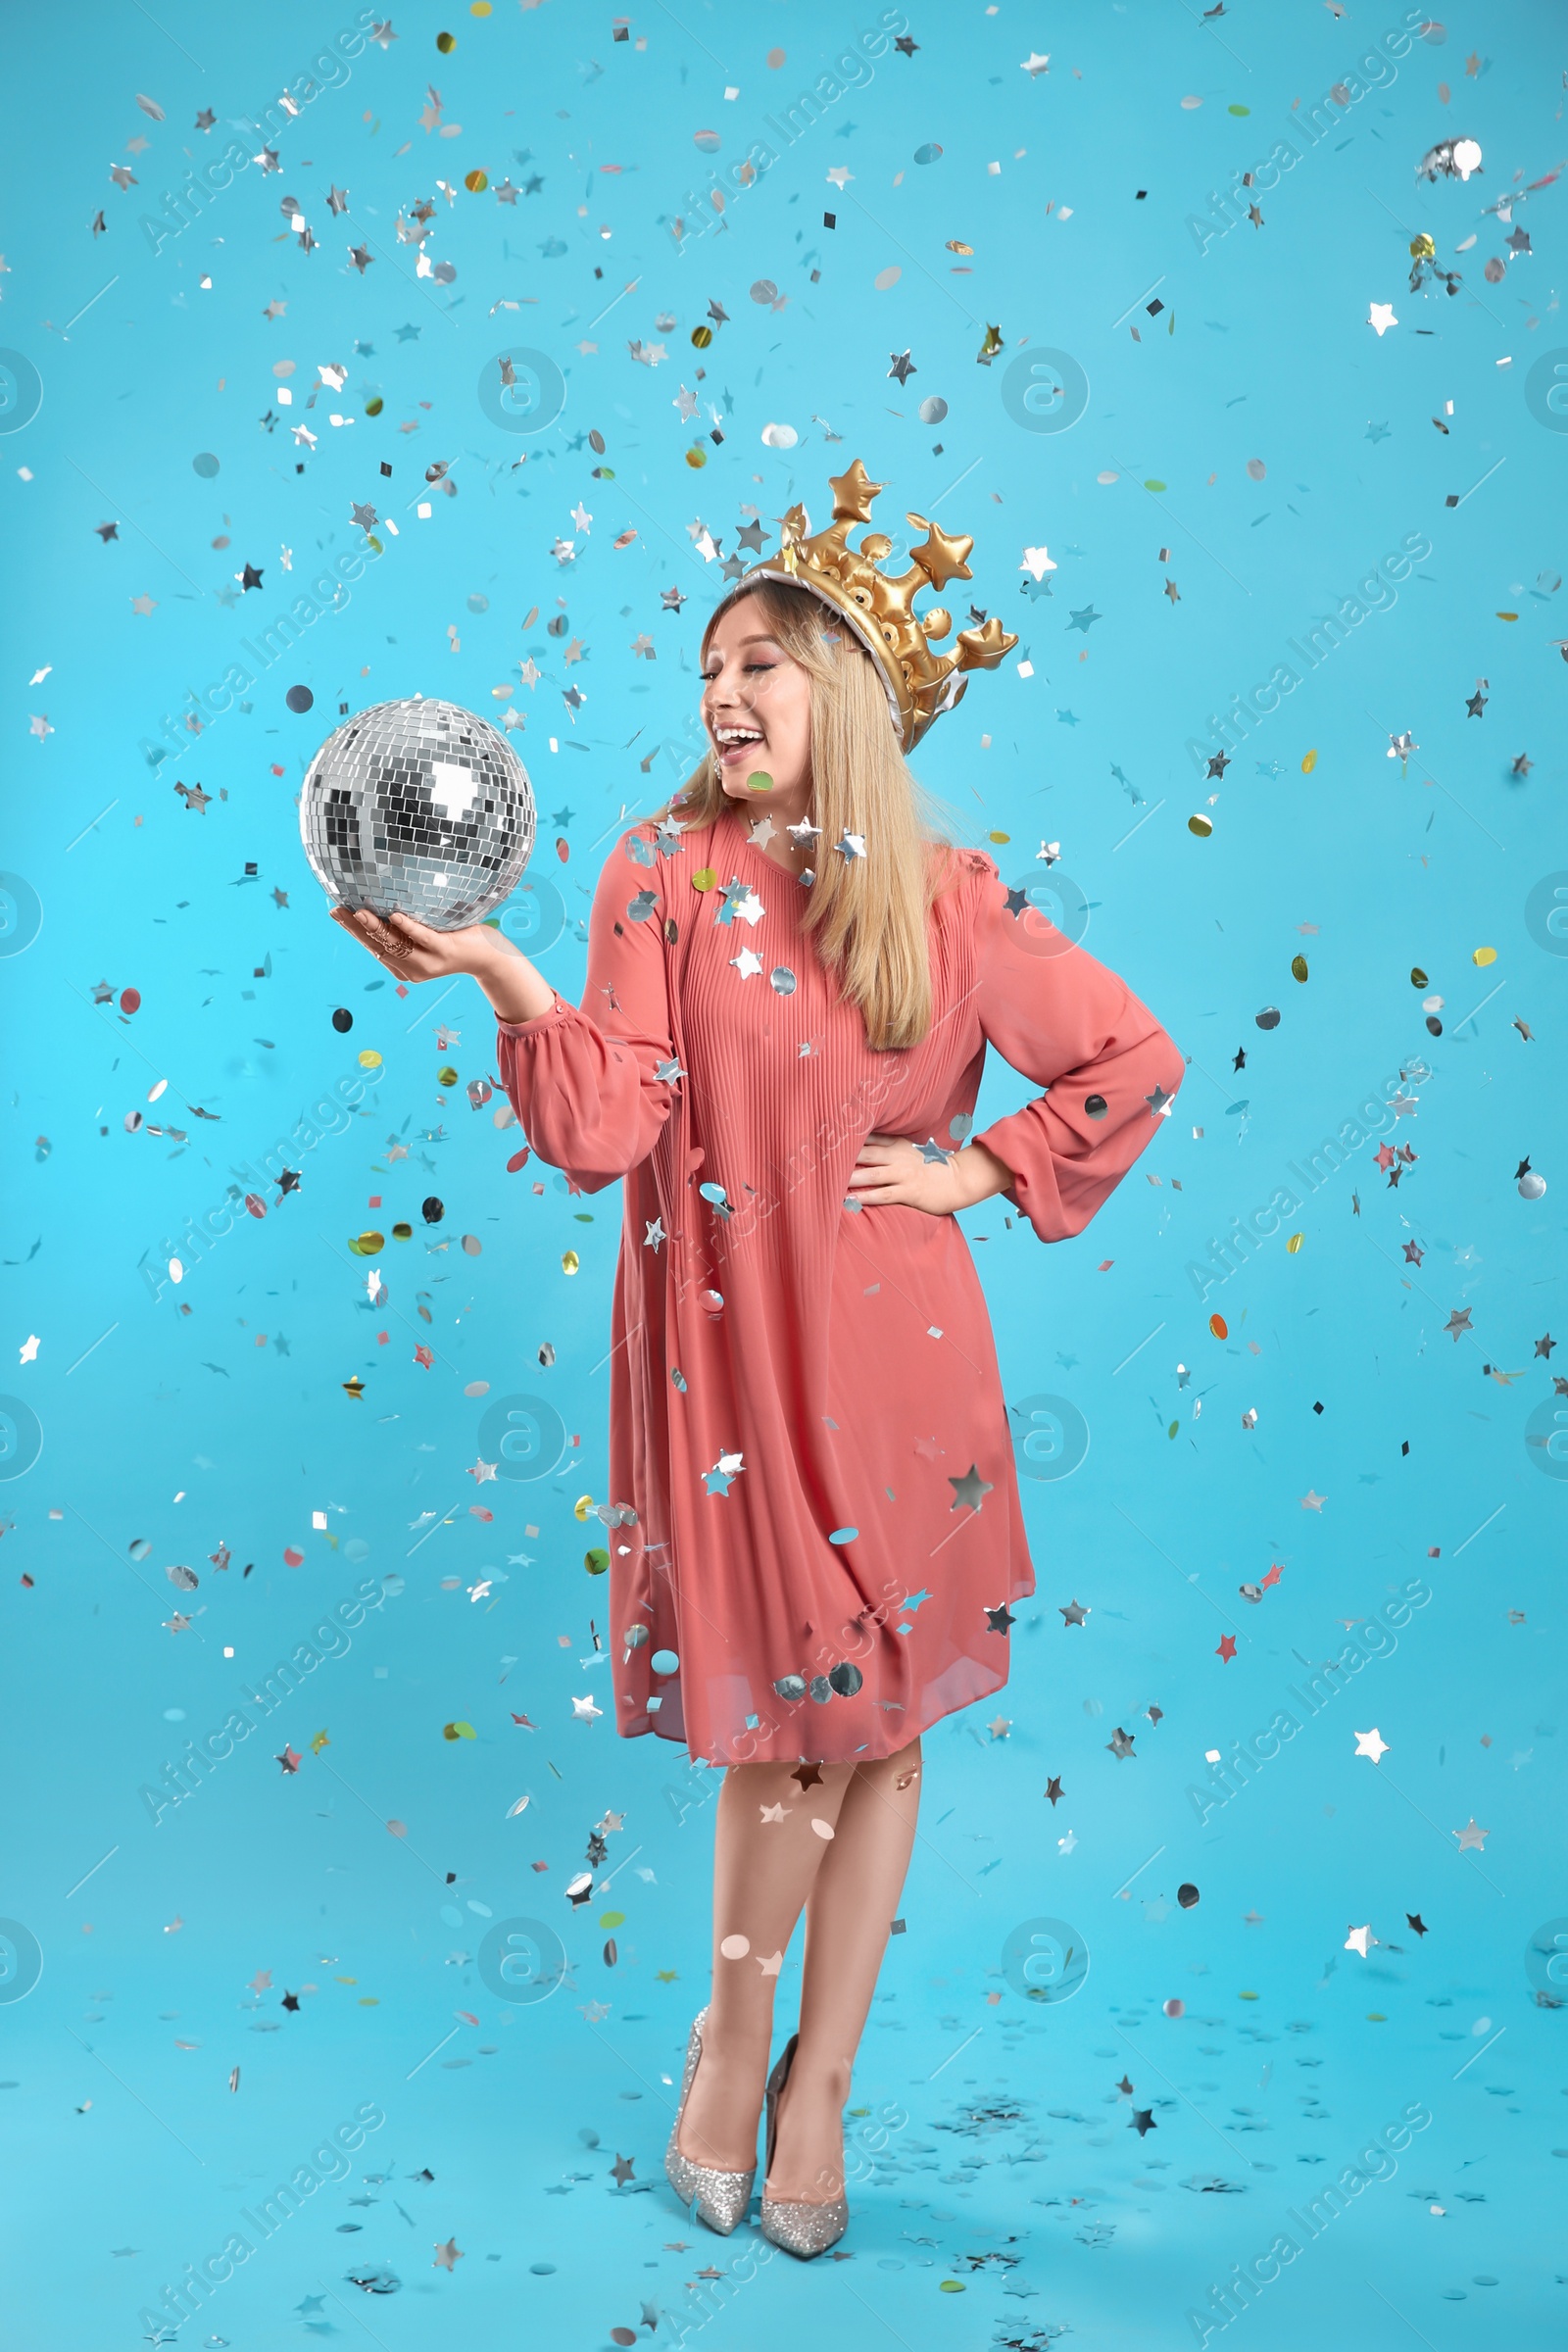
(718, 2197)
(804, 2230)
(796, 2227)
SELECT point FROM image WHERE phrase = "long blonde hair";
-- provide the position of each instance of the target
(867, 916)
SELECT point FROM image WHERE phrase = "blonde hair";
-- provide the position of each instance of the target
(868, 916)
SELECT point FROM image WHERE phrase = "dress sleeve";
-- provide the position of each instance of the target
(1068, 1024)
(584, 1081)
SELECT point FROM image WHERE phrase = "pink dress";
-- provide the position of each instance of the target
(822, 1530)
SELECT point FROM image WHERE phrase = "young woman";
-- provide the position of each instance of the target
(791, 981)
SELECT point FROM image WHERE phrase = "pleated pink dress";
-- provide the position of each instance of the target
(822, 1530)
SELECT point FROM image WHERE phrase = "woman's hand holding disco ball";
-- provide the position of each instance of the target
(516, 989)
(427, 810)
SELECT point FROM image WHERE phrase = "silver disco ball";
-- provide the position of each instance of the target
(421, 808)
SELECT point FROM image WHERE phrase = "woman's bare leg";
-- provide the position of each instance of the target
(852, 1902)
(776, 1824)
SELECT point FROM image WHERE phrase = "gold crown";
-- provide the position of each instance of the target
(880, 610)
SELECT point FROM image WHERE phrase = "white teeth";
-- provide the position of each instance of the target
(737, 735)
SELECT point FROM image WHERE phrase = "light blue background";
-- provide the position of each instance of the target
(1015, 2175)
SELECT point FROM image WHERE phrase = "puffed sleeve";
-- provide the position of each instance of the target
(584, 1081)
(1066, 1022)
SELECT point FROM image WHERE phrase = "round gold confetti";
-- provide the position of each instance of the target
(446, 1075)
(695, 458)
(1294, 1242)
(446, 42)
(1308, 763)
(704, 879)
(370, 1060)
(1201, 825)
(569, 1261)
(597, 1560)
(1418, 978)
(1484, 956)
(477, 182)
(701, 336)
(1298, 967)
(373, 408)
(402, 1233)
(370, 1242)
(582, 1506)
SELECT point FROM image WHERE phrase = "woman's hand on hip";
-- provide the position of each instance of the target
(893, 1173)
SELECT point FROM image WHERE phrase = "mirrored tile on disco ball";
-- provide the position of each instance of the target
(418, 807)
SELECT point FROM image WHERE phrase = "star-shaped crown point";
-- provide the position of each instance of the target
(880, 605)
(853, 492)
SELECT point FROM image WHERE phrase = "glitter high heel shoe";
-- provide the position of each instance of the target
(799, 2227)
(717, 2197)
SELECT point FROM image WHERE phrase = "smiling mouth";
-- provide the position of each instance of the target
(735, 745)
